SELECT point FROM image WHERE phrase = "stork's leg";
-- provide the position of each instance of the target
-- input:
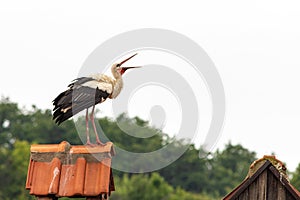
(88, 142)
(94, 126)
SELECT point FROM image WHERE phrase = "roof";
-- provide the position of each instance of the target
(266, 179)
(66, 170)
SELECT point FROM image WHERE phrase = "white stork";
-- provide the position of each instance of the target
(86, 92)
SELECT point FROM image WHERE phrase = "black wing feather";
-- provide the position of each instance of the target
(76, 99)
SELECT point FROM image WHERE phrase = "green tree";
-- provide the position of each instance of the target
(148, 187)
(216, 176)
(13, 167)
(9, 113)
(132, 126)
(180, 194)
(138, 144)
(34, 126)
(296, 178)
(141, 186)
(188, 172)
(228, 168)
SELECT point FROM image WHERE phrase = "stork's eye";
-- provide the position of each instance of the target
(118, 65)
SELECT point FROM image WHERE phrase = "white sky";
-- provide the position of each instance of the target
(255, 46)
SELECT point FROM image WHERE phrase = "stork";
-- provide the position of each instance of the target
(86, 92)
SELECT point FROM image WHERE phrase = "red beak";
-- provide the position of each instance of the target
(123, 69)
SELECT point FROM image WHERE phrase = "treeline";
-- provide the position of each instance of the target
(189, 177)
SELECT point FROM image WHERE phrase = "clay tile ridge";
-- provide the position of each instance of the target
(65, 170)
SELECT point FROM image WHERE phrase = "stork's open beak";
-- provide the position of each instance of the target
(123, 69)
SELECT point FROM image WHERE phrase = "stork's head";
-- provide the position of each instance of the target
(117, 69)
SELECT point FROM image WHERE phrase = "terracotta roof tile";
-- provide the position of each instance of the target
(65, 170)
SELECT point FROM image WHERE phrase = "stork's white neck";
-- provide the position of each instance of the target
(118, 85)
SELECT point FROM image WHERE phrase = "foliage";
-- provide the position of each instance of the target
(34, 126)
(228, 168)
(127, 142)
(143, 187)
(13, 167)
(216, 176)
(147, 187)
(296, 178)
(188, 172)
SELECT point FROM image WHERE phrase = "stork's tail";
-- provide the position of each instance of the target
(63, 107)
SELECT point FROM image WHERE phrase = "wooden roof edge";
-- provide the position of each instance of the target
(285, 182)
(246, 182)
(249, 179)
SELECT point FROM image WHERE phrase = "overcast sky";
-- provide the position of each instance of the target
(255, 46)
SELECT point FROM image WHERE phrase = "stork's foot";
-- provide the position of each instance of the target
(100, 143)
(90, 144)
